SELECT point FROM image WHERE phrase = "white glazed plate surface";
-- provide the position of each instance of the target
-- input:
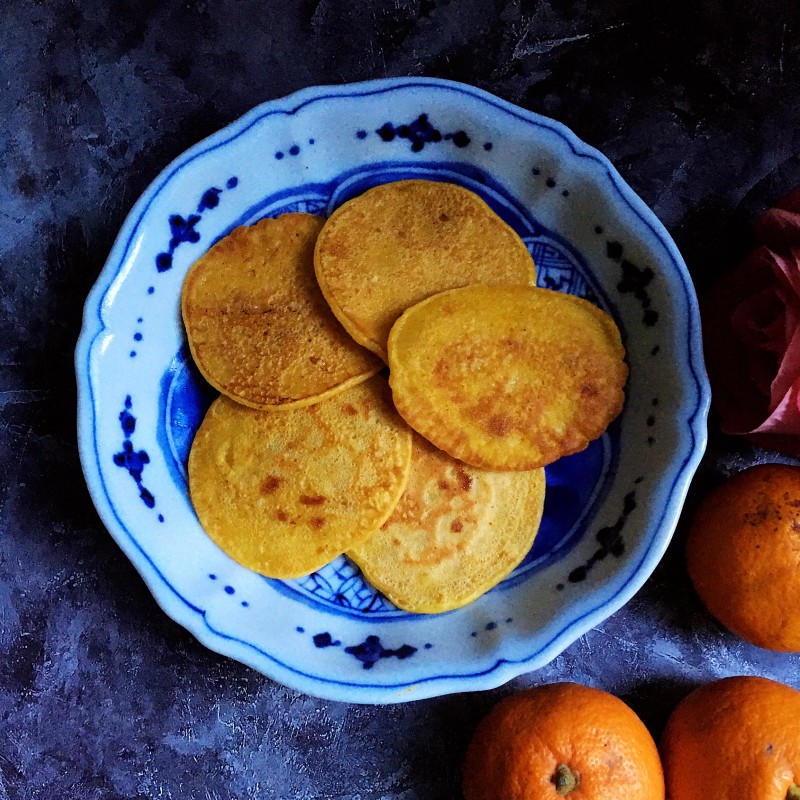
(610, 511)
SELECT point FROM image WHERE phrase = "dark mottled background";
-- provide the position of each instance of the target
(697, 102)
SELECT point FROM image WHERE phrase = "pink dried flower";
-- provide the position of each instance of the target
(752, 335)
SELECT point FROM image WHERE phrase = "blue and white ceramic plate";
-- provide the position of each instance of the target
(610, 510)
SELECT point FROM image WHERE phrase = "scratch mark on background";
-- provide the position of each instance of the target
(543, 46)
(15, 397)
(783, 51)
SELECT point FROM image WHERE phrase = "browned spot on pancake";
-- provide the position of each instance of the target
(312, 500)
(351, 410)
(270, 484)
(499, 425)
(332, 492)
(439, 549)
(514, 378)
(441, 373)
(258, 326)
(513, 345)
(464, 480)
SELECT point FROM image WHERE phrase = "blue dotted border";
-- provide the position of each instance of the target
(332, 194)
(696, 370)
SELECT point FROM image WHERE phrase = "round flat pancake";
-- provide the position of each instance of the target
(258, 326)
(507, 378)
(283, 494)
(399, 243)
(456, 532)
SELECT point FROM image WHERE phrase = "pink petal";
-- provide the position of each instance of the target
(760, 321)
(785, 419)
(740, 374)
(778, 229)
(788, 371)
(754, 337)
(787, 268)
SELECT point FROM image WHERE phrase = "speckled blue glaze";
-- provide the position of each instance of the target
(569, 205)
(634, 280)
(209, 200)
(183, 229)
(369, 652)
(419, 132)
(575, 484)
(129, 458)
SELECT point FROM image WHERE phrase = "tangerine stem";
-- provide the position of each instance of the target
(793, 793)
(566, 780)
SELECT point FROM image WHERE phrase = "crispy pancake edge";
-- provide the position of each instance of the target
(287, 574)
(472, 457)
(487, 585)
(359, 335)
(280, 403)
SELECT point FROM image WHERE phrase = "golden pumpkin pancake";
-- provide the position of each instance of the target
(283, 494)
(507, 378)
(399, 243)
(456, 532)
(258, 326)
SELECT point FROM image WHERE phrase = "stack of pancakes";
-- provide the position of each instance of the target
(433, 483)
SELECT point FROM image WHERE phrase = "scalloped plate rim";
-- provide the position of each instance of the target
(690, 445)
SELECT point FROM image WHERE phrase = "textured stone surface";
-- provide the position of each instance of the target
(101, 696)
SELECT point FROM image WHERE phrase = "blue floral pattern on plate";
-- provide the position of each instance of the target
(610, 510)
